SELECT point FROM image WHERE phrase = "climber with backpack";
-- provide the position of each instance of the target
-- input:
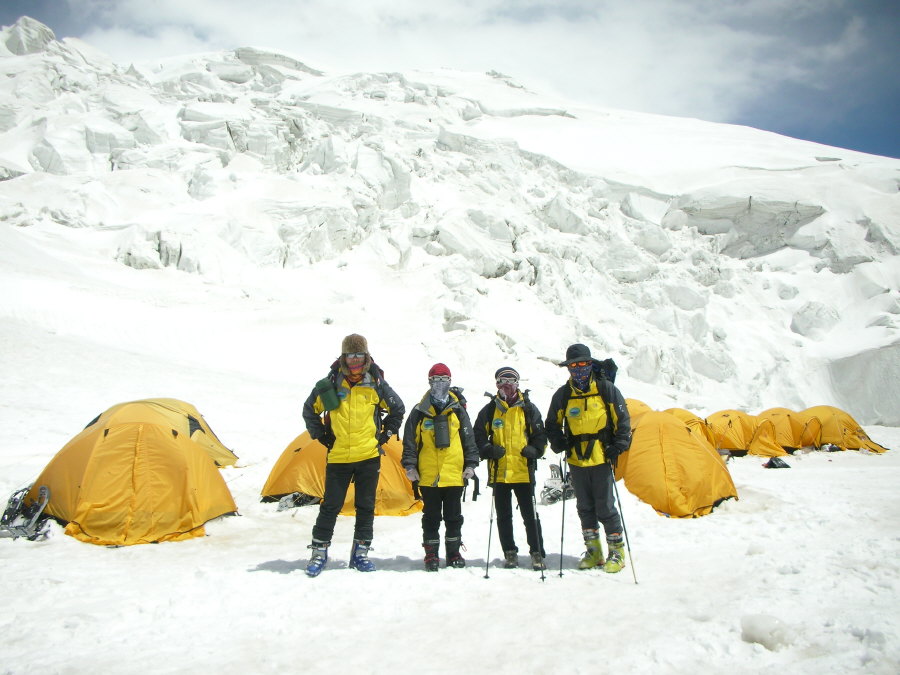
(589, 421)
(439, 454)
(352, 412)
(509, 433)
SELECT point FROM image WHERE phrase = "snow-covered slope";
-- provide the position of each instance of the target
(705, 258)
(209, 227)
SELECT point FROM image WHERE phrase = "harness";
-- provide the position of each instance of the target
(605, 435)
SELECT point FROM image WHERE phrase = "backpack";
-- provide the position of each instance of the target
(605, 369)
(458, 391)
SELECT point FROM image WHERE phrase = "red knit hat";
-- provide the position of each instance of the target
(439, 369)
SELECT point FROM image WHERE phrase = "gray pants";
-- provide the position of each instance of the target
(595, 500)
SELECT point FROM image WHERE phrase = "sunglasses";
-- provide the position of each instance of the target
(506, 380)
(578, 364)
(439, 378)
(356, 355)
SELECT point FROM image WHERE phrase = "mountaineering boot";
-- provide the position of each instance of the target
(359, 556)
(318, 558)
(615, 561)
(537, 561)
(593, 556)
(454, 558)
(512, 559)
(432, 562)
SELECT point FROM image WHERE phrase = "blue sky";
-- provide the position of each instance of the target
(820, 70)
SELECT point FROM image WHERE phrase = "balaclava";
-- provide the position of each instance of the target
(508, 391)
(440, 388)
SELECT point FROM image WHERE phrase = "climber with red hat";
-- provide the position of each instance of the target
(439, 453)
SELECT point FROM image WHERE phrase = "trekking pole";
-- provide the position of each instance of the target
(538, 533)
(622, 516)
(562, 527)
(487, 558)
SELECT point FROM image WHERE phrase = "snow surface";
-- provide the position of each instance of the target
(209, 227)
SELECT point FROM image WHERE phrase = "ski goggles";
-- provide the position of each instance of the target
(577, 364)
(355, 355)
(439, 378)
(507, 380)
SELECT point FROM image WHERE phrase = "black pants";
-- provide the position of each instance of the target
(594, 498)
(503, 504)
(337, 480)
(441, 503)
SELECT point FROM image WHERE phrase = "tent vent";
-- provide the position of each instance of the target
(193, 425)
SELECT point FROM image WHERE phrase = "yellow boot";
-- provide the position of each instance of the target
(593, 556)
(615, 561)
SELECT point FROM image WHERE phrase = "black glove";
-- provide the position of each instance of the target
(530, 452)
(327, 439)
(384, 436)
(557, 449)
(493, 451)
(612, 455)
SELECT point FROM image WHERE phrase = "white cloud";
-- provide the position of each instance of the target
(696, 58)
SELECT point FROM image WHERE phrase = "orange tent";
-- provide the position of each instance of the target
(838, 428)
(695, 423)
(636, 408)
(135, 475)
(740, 433)
(301, 468)
(674, 470)
(793, 430)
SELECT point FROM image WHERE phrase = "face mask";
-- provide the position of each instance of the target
(440, 391)
(581, 376)
(355, 363)
(508, 391)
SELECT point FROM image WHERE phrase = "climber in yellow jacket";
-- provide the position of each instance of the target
(439, 454)
(509, 433)
(589, 421)
(352, 412)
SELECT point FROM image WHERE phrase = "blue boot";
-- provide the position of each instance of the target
(318, 558)
(359, 556)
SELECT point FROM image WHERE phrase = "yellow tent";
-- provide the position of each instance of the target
(740, 433)
(838, 428)
(695, 423)
(636, 408)
(793, 430)
(134, 476)
(301, 468)
(673, 469)
(179, 415)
